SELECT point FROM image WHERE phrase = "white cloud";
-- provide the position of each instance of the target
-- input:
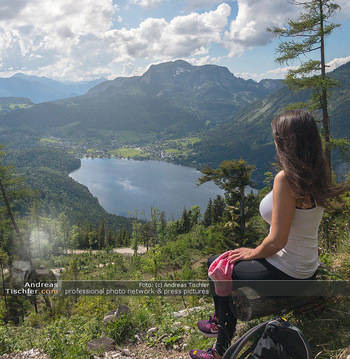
(10, 9)
(332, 65)
(75, 39)
(68, 39)
(278, 73)
(43, 35)
(183, 36)
(201, 61)
(249, 27)
(345, 8)
(247, 75)
(147, 3)
(203, 4)
(281, 72)
(254, 16)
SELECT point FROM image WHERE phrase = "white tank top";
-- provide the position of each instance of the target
(299, 258)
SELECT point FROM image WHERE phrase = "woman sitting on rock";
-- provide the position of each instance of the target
(294, 210)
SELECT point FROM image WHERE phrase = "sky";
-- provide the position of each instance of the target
(77, 40)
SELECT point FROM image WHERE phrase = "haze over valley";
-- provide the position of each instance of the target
(177, 112)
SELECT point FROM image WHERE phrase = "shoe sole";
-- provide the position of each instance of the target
(209, 335)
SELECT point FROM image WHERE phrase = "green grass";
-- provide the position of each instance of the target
(49, 140)
(19, 105)
(191, 141)
(125, 152)
(327, 328)
(185, 141)
(146, 154)
(90, 150)
(172, 150)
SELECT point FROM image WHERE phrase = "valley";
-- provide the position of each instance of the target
(191, 115)
(178, 113)
(179, 150)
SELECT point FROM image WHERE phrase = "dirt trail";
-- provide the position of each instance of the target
(127, 251)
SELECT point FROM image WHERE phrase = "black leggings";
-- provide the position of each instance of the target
(258, 269)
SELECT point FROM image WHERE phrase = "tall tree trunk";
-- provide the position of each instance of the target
(36, 210)
(10, 213)
(324, 102)
(241, 210)
(47, 301)
(5, 297)
(14, 223)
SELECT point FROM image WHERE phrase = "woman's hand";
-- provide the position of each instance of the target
(241, 254)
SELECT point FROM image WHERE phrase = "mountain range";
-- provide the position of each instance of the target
(174, 98)
(42, 89)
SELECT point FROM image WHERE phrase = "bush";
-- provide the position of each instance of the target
(121, 329)
(68, 338)
(6, 340)
(128, 325)
(14, 339)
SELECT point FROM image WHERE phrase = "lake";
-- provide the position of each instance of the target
(122, 186)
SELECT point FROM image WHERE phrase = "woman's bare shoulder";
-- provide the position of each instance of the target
(281, 182)
(281, 177)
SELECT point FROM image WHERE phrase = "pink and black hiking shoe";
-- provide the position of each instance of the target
(209, 328)
(202, 354)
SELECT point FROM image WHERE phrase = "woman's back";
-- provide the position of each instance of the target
(299, 258)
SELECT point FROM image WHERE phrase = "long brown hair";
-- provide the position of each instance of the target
(300, 154)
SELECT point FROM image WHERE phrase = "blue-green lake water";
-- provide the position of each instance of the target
(122, 186)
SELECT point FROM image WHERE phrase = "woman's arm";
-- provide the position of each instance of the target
(282, 216)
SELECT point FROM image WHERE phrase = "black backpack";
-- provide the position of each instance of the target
(279, 340)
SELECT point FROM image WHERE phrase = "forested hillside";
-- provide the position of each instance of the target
(46, 171)
(248, 134)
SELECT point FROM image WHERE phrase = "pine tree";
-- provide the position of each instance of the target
(136, 236)
(146, 233)
(91, 236)
(208, 214)
(185, 226)
(120, 238)
(75, 236)
(233, 177)
(35, 216)
(218, 210)
(162, 226)
(195, 215)
(101, 237)
(110, 242)
(155, 213)
(307, 34)
(65, 231)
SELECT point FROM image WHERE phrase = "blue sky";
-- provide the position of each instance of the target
(87, 39)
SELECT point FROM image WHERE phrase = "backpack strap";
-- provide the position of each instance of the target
(250, 349)
(235, 348)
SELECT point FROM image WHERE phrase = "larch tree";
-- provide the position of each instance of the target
(306, 42)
